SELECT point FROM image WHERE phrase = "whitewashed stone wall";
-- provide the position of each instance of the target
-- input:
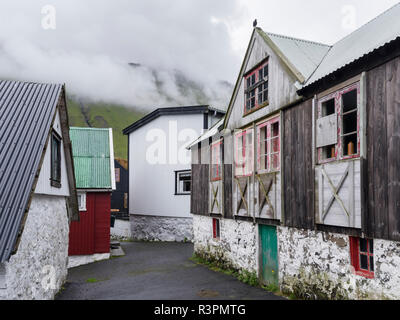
(121, 230)
(39, 267)
(316, 265)
(237, 244)
(156, 228)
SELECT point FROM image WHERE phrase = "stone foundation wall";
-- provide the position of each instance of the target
(316, 265)
(236, 246)
(312, 265)
(39, 267)
(153, 228)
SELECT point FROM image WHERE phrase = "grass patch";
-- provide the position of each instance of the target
(244, 276)
(94, 280)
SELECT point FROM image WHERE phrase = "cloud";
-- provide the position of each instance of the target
(95, 40)
(199, 43)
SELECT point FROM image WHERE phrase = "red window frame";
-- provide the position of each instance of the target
(258, 82)
(355, 253)
(269, 154)
(244, 162)
(216, 160)
(337, 96)
(216, 229)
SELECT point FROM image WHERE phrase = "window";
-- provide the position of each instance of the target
(362, 256)
(55, 176)
(338, 125)
(256, 88)
(117, 174)
(216, 161)
(216, 229)
(244, 153)
(183, 182)
(268, 153)
(82, 201)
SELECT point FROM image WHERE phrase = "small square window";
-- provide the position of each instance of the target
(216, 229)
(183, 182)
(362, 256)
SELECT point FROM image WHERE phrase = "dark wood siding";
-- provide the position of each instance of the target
(298, 173)
(228, 191)
(200, 189)
(383, 152)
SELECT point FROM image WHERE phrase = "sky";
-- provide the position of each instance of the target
(88, 44)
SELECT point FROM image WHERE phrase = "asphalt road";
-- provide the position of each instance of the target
(155, 271)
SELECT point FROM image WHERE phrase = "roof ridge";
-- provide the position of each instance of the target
(297, 39)
(367, 23)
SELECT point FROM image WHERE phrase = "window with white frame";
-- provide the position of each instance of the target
(183, 182)
(244, 153)
(216, 161)
(338, 123)
(268, 152)
(82, 201)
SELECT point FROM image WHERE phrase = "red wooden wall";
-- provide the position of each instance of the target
(91, 234)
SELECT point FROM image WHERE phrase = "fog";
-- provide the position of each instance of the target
(185, 48)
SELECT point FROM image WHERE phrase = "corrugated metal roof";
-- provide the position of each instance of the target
(373, 35)
(91, 152)
(26, 114)
(303, 54)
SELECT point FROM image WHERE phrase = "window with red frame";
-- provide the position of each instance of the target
(343, 105)
(256, 88)
(244, 153)
(362, 256)
(216, 161)
(216, 229)
(268, 153)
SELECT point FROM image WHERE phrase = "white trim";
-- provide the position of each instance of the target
(82, 206)
(112, 167)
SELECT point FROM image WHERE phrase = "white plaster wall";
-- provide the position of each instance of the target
(318, 265)
(39, 267)
(121, 230)
(147, 181)
(156, 228)
(237, 244)
(43, 185)
(75, 261)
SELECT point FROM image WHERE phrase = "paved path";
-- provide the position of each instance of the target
(155, 271)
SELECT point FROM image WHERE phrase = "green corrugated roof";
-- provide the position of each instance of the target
(91, 152)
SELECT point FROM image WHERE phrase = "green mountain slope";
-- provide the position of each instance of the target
(103, 115)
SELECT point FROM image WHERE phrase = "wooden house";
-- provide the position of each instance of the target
(159, 168)
(300, 182)
(37, 190)
(93, 153)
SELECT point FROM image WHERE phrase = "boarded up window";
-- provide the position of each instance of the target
(337, 126)
(216, 161)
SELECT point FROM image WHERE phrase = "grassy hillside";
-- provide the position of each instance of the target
(102, 115)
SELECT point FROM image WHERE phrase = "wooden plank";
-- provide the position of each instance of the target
(228, 210)
(377, 160)
(393, 151)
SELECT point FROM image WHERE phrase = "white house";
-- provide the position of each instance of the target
(160, 171)
(37, 190)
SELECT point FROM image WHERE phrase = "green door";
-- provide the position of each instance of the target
(269, 255)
